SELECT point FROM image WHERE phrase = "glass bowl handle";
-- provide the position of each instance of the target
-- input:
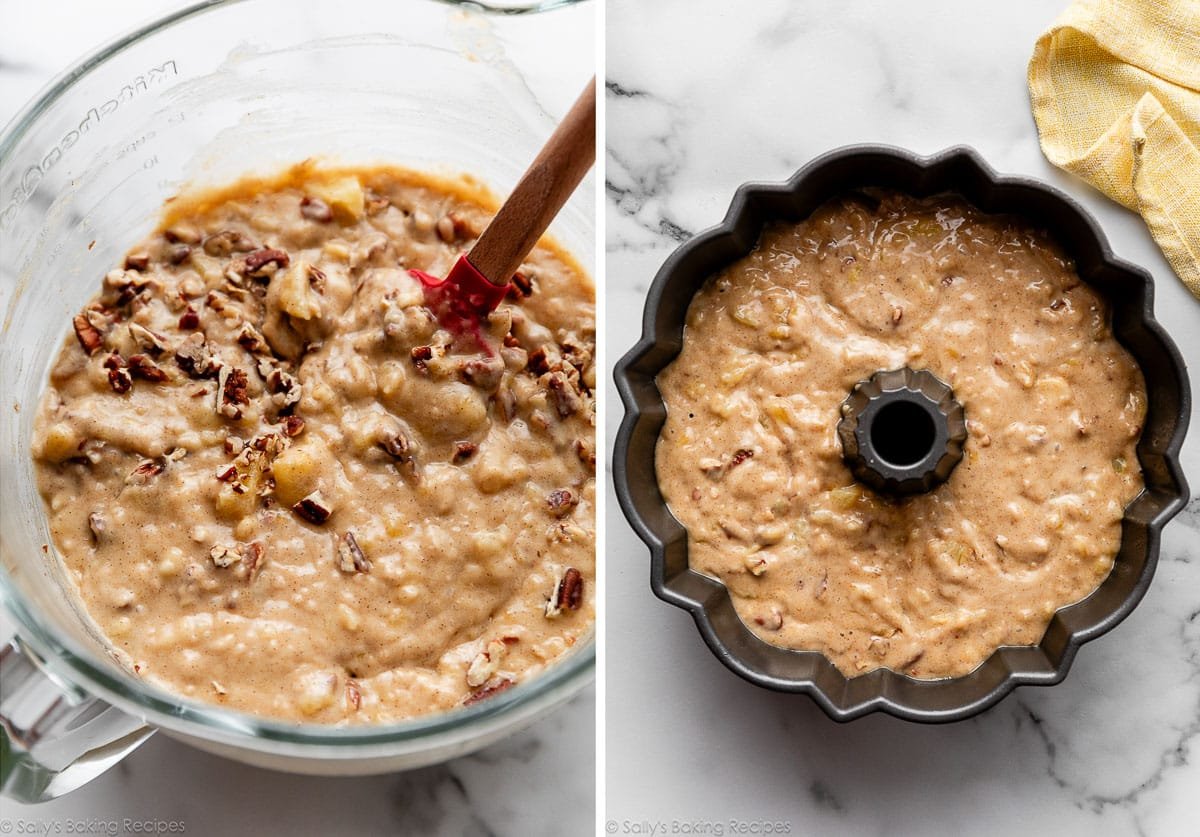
(55, 737)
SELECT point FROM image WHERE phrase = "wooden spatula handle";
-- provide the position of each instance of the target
(540, 194)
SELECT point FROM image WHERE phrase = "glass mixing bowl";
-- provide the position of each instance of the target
(212, 92)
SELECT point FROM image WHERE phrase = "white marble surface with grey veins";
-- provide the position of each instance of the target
(539, 782)
(703, 96)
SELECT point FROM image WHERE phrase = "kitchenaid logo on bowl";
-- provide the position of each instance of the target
(33, 175)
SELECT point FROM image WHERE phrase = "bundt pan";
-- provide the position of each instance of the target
(1129, 290)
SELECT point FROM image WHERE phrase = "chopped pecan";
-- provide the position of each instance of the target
(570, 590)
(196, 359)
(98, 525)
(143, 367)
(567, 593)
(486, 663)
(259, 259)
(285, 388)
(420, 357)
(316, 278)
(126, 283)
(146, 469)
(227, 473)
(561, 501)
(398, 446)
(100, 316)
(226, 242)
(463, 451)
(253, 554)
(506, 401)
(314, 508)
(293, 426)
(577, 351)
(315, 209)
(189, 320)
(176, 253)
(251, 339)
(271, 444)
(118, 374)
(585, 449)
(376, 203)
(539, 361)
(151, 343)
(755, 566)
(137, 261)
(217, 301)
(520, 285)
(224, 556)
(231, 386)
(490, 690)
(249, 554)
(88, 335)
(350, 556)
(484, 373)
(451, 227)
(716, 469)
(567, 399)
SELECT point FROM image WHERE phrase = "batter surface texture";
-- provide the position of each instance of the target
(281, 487)
(930, 585)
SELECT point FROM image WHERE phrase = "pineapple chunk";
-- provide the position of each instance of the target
(61, 442)
(238, 499)
(343, 194)
(337, 250)
(846, 497)
(298, 470)
(734, 375)
(296, 295)
(1054, 389)
(315, 691)
(495, 470)
(394, 525)
(747, 315)
(233, 506)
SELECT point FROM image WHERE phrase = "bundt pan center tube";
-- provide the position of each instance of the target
(901, 431)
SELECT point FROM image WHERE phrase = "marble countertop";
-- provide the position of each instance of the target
(525, 785)
(703, 96)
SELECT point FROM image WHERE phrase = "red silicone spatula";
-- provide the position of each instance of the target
(480, 278)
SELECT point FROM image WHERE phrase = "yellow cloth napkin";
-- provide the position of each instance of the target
(1115, 87)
